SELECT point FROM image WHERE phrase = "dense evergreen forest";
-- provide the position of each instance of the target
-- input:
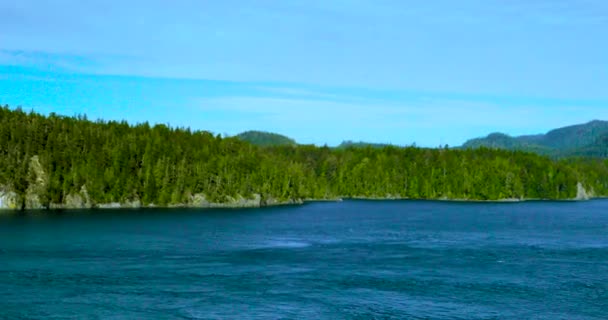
(47, 160)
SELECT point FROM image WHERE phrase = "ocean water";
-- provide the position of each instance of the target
(348, 260)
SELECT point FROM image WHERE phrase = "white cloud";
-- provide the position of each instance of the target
(500, 47)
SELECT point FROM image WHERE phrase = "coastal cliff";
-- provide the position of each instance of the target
(10, 201)
(34, 197)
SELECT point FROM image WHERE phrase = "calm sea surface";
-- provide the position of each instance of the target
(349, 260)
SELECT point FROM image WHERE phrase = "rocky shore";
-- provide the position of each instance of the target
(11, 201)
(81, 200)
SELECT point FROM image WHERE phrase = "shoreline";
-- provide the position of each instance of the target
(129, 206)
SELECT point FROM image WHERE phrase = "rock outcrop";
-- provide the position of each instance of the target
(269, 201)
(38, 183)
(200, 201)
(37, 190)
(78, 200)
(582, 193)
(9, 200)
(113, 205)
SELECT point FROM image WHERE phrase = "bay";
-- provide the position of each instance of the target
(343, 260)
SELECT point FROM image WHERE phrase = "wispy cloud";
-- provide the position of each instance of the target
(320, 71)
(309, 114)
(559, 12)
(60, 61)
(491, 47)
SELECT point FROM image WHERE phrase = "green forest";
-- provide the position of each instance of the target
(47, 160)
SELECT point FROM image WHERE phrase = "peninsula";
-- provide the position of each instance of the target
(55, 161)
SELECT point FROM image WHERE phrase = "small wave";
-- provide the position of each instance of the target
(328, 241)
(289, 244)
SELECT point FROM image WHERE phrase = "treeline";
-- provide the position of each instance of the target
(116, 162)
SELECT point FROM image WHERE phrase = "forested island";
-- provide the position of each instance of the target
(71, 162)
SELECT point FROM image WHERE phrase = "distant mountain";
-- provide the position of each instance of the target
(503, 141)
(590, 139)
(266, 139)
(575, 136)
(361, 144)
(599, 148)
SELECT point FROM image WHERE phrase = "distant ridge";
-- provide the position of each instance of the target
(361, 144)
(266, 139)
(589, 139)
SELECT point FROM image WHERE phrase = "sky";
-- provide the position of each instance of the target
(388, 71)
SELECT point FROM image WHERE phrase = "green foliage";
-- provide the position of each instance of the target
(266, 139)
(580, 140)
(118, 162)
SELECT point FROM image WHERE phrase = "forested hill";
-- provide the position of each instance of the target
(266, 139)
(584, 139)
(65, 162)
(599, 148)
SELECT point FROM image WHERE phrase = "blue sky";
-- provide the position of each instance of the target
(429, 72)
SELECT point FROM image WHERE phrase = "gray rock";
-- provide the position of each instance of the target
(582, 193)
(133, 204)
(270, 201)
(37, 187)
(8, 200)
(74, 201)
(113, 205)
(32, 201)
(199, 200)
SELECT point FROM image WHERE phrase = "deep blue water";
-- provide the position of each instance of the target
(349, 260)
